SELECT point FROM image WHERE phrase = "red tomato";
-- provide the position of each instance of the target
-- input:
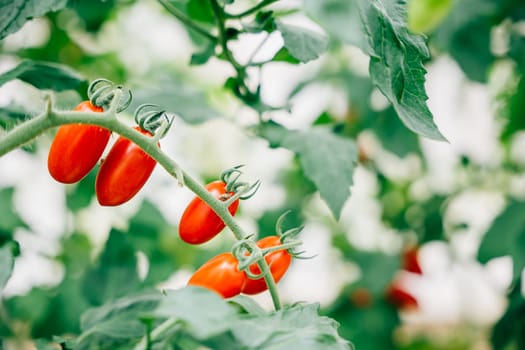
(399, 297)
(199, 223)
(279, 261)
(410, 260)
(221, 275)
(77, 148)
(124, 171)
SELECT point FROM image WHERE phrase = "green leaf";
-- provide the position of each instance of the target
(301, 43)
(283, 55)
(148, 233)
(14, 13)
(203, 56)
(44, 75)
(506, 236)
(510, 327)
(9, 218)
(94, 13)
(370, 327)
(396, 63)
(80, 196)
(203, 313)
(341, 19)
(116, 271)
(116, 322)
(425, 15)
(328, 160)
(44, 344)
(247, 304)
(11, 116)
(377, 270)
(513, 103)
(178, 97)
(7, 262)
(295, 327)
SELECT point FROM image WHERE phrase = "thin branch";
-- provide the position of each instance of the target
(252, 10)
(188, 22)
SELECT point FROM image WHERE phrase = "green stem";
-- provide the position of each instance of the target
(284, 246)
(251, 10)
(185, 20)
(270, 282)
(223, 39)
(145, 342)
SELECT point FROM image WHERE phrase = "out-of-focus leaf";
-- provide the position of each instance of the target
(14, 13)
(302, 43)
(11, 116)
(377, 270)
(510, 328)
(177, 97)
(80, 196)
(396, 63)
(248, 304)
(328, 160)
(7, 261)
(425, 15)
(94, 13)
(514, 104)
(44, 75)
(9, 218)
(298, 326)
(116, 271)
(466, 35)
(393, 135)
(506, 236)
(369, 326)
(203, 56)
(44, 344)
(116, 322)
(203, 313)
(283, 55)
(148, 233)
(341, 19)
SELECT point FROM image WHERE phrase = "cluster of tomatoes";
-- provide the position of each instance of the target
(199, 223)
(77, 148)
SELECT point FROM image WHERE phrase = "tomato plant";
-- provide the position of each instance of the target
(199, 223)
(278, 261)
(221, 275)
(123, 172)
(77, 148)
(339, 107)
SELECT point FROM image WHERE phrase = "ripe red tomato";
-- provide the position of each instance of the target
(124, 171)
(410, 260)
(199, 223)
(399, 297)
(279, 261)
(77, 148)
(221, 275)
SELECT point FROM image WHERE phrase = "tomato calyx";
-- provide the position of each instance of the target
(101, 93)
(247, 251)
(236, 189)
(153, 119)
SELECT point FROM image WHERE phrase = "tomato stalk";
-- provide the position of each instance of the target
(252, 10)
(181, 17)
(169, 325)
